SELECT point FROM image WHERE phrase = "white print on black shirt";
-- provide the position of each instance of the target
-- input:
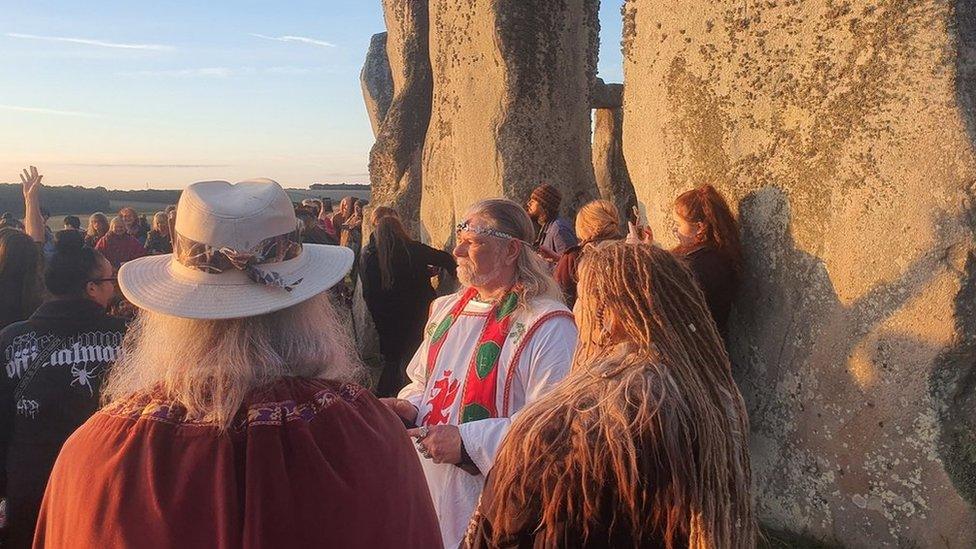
(81, 353)
(83, 377)
(28, 408)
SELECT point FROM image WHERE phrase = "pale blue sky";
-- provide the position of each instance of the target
(130, 94)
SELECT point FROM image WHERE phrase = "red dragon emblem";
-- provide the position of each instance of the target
(441, 399)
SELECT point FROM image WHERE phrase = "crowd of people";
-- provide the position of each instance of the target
(191, 381)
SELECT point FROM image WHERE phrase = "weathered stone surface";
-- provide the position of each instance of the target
(395, 159)
(364, 331)
(607, 96)
(511, 108)
(843, 134)
(609, 166)
(376, 81)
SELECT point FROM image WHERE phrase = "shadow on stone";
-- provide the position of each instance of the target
(952, 383)
(822, 380)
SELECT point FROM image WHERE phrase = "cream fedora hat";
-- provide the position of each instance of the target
(237, 252)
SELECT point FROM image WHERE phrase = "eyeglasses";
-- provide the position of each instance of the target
(100, 280)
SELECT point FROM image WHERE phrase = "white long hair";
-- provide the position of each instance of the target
(209, 366)
(530, 269)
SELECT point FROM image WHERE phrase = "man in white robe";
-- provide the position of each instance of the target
(498, 344)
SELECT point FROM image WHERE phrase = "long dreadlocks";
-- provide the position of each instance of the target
(648, 426)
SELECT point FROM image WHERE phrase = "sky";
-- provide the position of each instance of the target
(135, 95)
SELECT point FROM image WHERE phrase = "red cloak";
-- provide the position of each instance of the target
(307, 463)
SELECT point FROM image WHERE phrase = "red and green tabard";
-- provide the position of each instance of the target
(481, 380)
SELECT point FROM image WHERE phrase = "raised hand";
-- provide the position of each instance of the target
(33, 220)
(31, 181)
(637, 234)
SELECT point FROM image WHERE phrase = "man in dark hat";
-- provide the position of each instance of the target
(555, 233)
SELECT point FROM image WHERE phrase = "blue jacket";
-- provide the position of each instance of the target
(557, 235)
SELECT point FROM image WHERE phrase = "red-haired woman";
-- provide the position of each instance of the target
(708, 241)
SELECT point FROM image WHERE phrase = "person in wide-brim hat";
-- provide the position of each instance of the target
(237, 252)
(232, 416)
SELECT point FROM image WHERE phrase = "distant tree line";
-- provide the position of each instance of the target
(57, 200)
(72, 199)
(337, 187)
(150, 195)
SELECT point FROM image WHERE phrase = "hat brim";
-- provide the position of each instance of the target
(149, 283)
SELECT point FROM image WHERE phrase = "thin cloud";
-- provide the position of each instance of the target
(292, 70)
(302, 39)
(223, 72)
(88, 42)
(153, 166)
(207, 72)
(344, 174)
(41, 110)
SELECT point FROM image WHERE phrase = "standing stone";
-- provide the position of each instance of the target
(842, 133)
(395, 159)
(511, 108)
(609, 166)
(376, 81)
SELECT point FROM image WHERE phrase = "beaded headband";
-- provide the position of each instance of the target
(487, 231)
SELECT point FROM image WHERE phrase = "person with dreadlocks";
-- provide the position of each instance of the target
(499, 343)
(645, 443)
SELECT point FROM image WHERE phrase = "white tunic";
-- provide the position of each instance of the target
(536, 355)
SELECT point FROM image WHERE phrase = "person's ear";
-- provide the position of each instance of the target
(513, 251)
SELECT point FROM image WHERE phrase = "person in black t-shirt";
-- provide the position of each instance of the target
(73, 341)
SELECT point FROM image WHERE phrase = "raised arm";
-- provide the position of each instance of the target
(33, 220)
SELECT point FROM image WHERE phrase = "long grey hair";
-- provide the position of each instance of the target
(209, 366)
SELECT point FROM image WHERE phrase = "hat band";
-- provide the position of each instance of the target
(216, 260)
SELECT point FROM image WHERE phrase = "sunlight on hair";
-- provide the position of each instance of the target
(663, 391)
(209, 366)
(531, 270)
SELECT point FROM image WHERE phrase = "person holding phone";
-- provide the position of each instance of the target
(708, 241)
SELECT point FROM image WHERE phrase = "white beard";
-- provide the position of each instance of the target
(468, 277)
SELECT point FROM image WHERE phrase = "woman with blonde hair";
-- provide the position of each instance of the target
(645, 443)
(596, 223)
(158, 241)
(97, 227)
(118, 246)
